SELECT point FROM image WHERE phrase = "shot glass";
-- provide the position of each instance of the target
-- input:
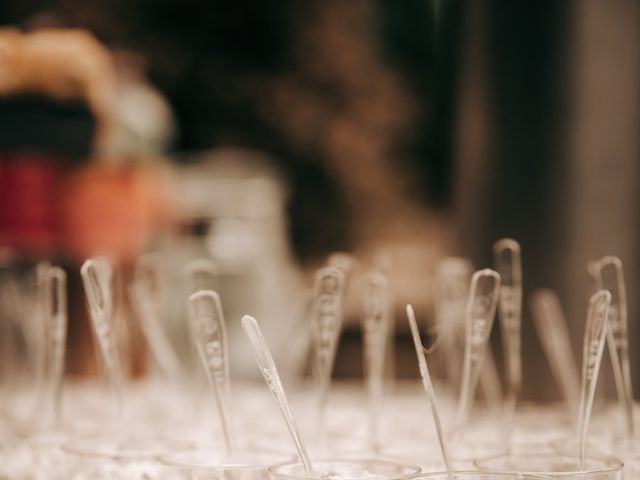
(97, 458)
(556, 466)
(476, 475)
(213, 463)
(345, 469)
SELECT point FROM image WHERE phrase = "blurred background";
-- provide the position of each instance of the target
(267, 135)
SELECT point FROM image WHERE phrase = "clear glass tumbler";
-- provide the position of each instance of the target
(345, 469)
(556, 466)
(203, 463)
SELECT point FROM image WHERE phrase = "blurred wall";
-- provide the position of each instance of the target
(548, 151)
(603, 171)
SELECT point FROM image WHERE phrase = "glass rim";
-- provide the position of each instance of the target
(473, 473)
(165, 460)
(415, 470)
(611, 464)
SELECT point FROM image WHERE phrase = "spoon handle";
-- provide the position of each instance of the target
(609, 276)
(143, 293)
(210, 333)
(428, 387)
(36, 332)
(551, 327)
(326, 322)
(453, 275)
(594, 337)
(508, 265)
(263, 357)
(480, 313)
(375, 329)
(57, 335)
(95, 277)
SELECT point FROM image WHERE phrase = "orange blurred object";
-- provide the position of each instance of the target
(112, 211)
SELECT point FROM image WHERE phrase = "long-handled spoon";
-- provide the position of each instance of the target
(609, 276)
(508, 264)
(375, 328)
(453, 277)
(269, 371)
(326, 323)
(480, 313)
(428, 388)
(56, 316)
(141, 294)
(490, 385)
(36, 331)
(551, 327)
(95, 277)
(207, 320)
(594, 336)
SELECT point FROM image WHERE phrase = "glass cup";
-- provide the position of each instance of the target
(556, 466)
(99, 458)
(203, 463)
(345, 469)
(475, 475)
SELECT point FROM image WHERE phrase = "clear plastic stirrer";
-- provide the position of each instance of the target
(143, 299)
(56, 336)
(609, 276)
(375, 326)
(208, 325)
(269, 371)
(508, 264)
(106, 270)
(326, 323)
(480, 313)
(453, 277)
(199, 274)
(490, 381)
(428, 388)
(95, 278)
(35, 328)
(551, 327)
(594, 335)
